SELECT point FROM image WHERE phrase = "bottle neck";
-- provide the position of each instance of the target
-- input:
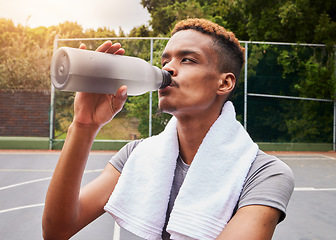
(166, 79)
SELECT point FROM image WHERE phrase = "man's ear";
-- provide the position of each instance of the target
(226, 83)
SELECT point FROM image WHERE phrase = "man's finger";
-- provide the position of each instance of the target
(82, 46)
(104, 47)
(114, 48)
(122, 92)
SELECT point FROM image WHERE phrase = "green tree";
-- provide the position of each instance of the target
(165, 13)
(99, 33)
(293, 71)
(306, 21)
(138, 106)
(24, 57)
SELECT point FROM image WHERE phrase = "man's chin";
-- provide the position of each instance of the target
(166, 108)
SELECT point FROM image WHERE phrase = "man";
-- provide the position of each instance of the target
(204, 61)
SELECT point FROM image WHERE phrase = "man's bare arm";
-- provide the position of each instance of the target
(67, 208)
(62, 212)
(254, 222)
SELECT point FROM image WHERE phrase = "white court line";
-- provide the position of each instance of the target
(22, 207)
(312, 189)
(41, 170)
(96, 170)
(26, 170)
(23, 183)
(116, 232)
(41, 179)
(331, 158)
(33, 181)
(51, 152)
(307, 159)
(304, 157)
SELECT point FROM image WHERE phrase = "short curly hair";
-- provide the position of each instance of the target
(231, 56)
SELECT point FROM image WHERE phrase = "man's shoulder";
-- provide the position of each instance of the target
(133, 144)
(270, 182)
(120, 158)
(265, 163)
(268, 170)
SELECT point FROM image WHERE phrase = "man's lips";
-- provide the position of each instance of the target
(166, 89)
(174, 83)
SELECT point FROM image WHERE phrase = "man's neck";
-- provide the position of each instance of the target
(191, 132)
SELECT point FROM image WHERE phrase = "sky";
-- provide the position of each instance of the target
(89, 14)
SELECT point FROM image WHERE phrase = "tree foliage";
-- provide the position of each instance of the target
(26, 53)
(306, 21)
(24, 57)
(303, 71)
(293, 71)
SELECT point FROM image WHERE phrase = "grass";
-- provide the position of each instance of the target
(120, 128)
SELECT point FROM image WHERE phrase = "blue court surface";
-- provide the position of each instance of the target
(25, 175)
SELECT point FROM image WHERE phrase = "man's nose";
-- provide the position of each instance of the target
(169, 68)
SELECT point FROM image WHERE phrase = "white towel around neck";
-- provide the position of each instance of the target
(208, 194)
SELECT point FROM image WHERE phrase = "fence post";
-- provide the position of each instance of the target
(150, 94)
(52, 106)
(245, 87)
(334, 127)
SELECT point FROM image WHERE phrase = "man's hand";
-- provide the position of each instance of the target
(98, 109)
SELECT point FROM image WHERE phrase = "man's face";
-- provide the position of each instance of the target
(190, 58)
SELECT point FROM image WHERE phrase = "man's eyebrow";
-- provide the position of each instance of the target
(182, 53)
(165, 55)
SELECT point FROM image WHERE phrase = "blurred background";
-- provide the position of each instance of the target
(286, 93)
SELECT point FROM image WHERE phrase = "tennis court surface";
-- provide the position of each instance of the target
(25, 175)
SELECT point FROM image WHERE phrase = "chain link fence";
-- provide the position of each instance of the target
(285, 93)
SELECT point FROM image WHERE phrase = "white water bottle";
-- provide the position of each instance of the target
(78, 70)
